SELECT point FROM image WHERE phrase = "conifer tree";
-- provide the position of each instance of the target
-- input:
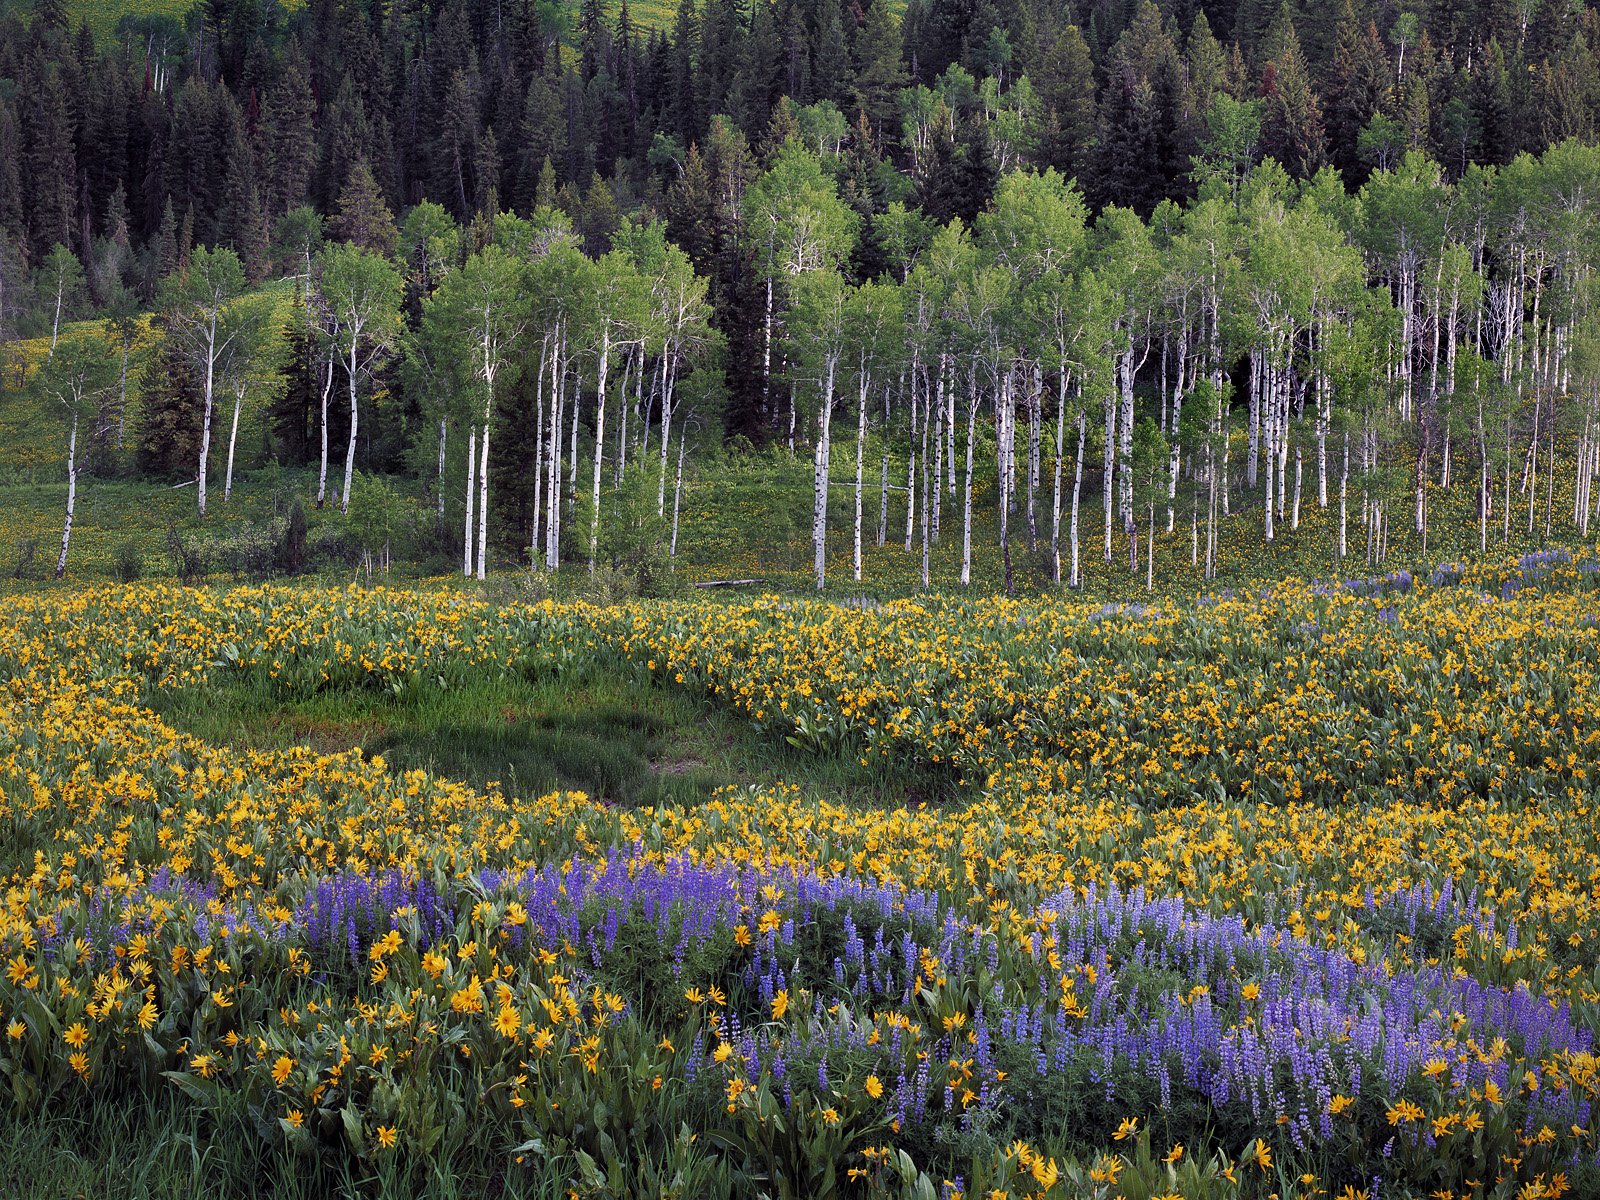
(364, 218)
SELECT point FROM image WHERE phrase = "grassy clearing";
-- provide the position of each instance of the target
(163, 1149)
(609, 731)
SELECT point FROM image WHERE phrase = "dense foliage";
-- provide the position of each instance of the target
(1356, 251)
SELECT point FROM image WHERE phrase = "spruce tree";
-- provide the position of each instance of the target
(1291, 119)
(169, 416)
(51, 169)
(290, 137)
(880, 74)
(364, 218)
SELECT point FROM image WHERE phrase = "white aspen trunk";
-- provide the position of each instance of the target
(538, 459)
(350, 451)
(1175, 464)
(322, 469)
(861, 449)
(1055, 491)
(1128, 369)
(1271, 460)
(444, 429)
(766, 365)
(1299, 469)
(883, 501)
(1211, 511)
(552, 531)
(472, 470)
(1035, 420)
(233, 440)
(677, 495)
(1344, 504)
(1004, 452)
(911, 460)
(1108, 482)
(883, 479)
(819, 515)
(72, 495)
(1252, 463)
(1077, 489)
(950, 440)
(944, 416)
(620, 466)
(667, 405)
(966, 515)
(483, 501)
(205, 427)
(599, 445)
(572, 453)
(1150, 553)
(929, 502)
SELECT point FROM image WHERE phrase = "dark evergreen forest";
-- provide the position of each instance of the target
(224, 130)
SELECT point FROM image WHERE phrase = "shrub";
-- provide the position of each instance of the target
(127, 564)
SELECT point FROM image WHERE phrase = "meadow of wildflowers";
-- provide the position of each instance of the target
(1293, 891)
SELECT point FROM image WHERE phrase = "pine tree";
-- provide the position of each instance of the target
(364, 218)
(1139, 162)
(1355, 88)
(880, 73)
(1067, 92)
(1291, 120)
(51, 174)
(1490, 99)
(832, 77)
(13, 213)
(290, 139)
(292, 414)
(169, 416)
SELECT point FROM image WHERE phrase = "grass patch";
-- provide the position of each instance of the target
(609, 731)
(165, 1149)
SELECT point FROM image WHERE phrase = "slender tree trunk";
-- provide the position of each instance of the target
(205, 426)
(350, 451)
(929, 502)
(950, 440)
(322, 469)
(483, 500)
(72, 495)
(911, 459)
(1109, 459)
(472, 470)
(233, 440)
(1077, 490)
(1299, 469)
(819, 516)
(1150, 553)
(966, 515)
(1055, 494)
(444, 429)
(572, 454)
(861, 449)
(944, 417)
(552, 542)
(620, 466)
(677, 495)
(669, 378)
(599, 446)
(1035, 420)
(1253, 461)
(1344, 503)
